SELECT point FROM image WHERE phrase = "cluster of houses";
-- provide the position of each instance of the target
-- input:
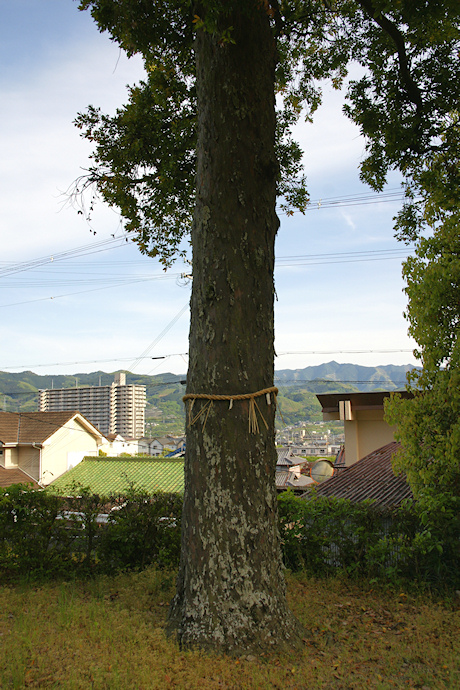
(362, 469)
(308, 443)
(40, 447)
(46, 448)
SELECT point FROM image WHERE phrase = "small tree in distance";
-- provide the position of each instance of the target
(200, 149)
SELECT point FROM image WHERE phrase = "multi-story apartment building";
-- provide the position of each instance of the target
(115, 409)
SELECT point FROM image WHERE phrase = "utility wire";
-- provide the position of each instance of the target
(158, 338)
(148, 386)
(362, 199)
(340, 352)
(334, 381)
(94, 248)
(316, 260)
(394, 194)
(80, 292)
(283, 383)
(184, 354)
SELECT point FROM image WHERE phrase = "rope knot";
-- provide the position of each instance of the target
(253, 406)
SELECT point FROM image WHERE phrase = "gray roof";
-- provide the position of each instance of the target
(371, 478)
(299, 482)
(286, 458)
(281, 479)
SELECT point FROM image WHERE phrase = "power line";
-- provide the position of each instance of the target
(281, 382)
(148, 386)
(342, 352)
(185, 354)
(94, 248)
(335, 381)
(80, 292)
(90, 361)
(345, 257)
(158, 338)
(393, 194)
(361, 199)
(299, 260)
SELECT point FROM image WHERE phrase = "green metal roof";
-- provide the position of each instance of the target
(107, 476)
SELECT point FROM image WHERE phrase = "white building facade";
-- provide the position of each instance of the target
(115, 409)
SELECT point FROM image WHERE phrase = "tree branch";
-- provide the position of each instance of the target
(394, 33)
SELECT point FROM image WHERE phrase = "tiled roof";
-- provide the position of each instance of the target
(163, 440)
(340, 461)
(300, 482)
(281, 478)
(371, 478)
(286, 458)
(114, 475)
(14, 475)
(31, 427)
(112, 437)
(283, 455)
(285, 479)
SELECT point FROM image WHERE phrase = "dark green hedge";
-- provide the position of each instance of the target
(417, 542)
(43, 535)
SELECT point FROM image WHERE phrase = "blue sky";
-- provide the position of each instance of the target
(93, 302)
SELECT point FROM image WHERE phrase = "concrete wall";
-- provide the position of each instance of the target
(10, 457)
(365, 433)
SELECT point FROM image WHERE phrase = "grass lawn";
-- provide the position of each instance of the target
(108, 634)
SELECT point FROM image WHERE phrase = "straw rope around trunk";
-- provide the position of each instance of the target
(210, 399)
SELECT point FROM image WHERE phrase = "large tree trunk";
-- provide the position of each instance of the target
(231, 591)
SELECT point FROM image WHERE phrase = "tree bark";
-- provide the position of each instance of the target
(231, 591)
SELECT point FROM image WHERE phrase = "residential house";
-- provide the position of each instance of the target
(289, 473)
(117, 445)
(362, 415)
(371, 478)
(13, 475)
(44, 445)
(363, 468)
(160, 445)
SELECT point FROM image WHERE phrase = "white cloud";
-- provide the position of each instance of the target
(348, 220)
(42, 152)
(56, 72)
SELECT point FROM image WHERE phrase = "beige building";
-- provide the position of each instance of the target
(44, 445)
(115, 409)
(362, 415)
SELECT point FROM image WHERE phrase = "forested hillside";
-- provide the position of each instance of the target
(165, 411)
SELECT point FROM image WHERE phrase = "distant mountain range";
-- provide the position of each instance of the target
(389, 377)
(297, 389)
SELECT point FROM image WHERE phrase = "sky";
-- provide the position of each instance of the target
(76, 297)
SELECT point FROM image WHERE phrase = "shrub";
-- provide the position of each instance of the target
(43, 534)
(412, 542)
(142, 529)
(31, 537)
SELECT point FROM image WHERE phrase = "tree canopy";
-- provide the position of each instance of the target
(405, 103)
(429, 424)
